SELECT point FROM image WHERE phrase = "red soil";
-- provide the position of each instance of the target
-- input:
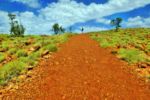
(81, 70)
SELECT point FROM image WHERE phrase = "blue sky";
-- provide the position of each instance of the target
(39, 15)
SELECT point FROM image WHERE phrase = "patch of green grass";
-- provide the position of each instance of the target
(50, 48)
(28, 61)
(62, 38)
(2, 57)
(10, 70)
(12, 51)
(148, 48)
(21, 53)
(5, 45)
(131, 55)
(35, 55)
(126, 39)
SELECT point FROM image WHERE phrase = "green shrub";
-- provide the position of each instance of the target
(132, 55)
(35, 55)
(105, 43)
(12, 51)
(21, 53)
(50, 48)
(28, 61)
(148, 48)
(4, 46)
(62, 38)
(9, 70)
(2, 57)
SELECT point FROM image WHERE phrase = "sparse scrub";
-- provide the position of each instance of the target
(10, 70)
(23, 57)
(4, 46)
(2, 57)
(132, 55)
(12, 51)
(21, 53)
(50, 48)
(131, 45)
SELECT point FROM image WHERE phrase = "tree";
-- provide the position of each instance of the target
(16, 28)
(62, 30)
(56, 28)
(12, 17)
(116, 22)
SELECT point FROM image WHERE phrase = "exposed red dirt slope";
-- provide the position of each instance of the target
(81, 70)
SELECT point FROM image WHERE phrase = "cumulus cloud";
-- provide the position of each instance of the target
(70, 12)
(103, 21)
(30, 3)
(4, 22)
(138, 22)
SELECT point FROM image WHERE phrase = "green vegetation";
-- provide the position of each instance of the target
(10, 70)
(2, 57)
(131, 45)
(21, 53)
(51, 48)
(116, 22)
(57, 28)
(131, 55)
(16, 28)
(12, 51)
(25, 52)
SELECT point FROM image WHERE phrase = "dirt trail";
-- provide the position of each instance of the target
(81, 70)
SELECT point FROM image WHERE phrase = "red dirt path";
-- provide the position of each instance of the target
(81, 70)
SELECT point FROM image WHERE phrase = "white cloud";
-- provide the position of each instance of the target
(4, 23)
(137, 22)
(103, 21)
(30, 3)
(69, 12)
(64, 1)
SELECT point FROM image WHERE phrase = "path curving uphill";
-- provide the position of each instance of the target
(81, 70)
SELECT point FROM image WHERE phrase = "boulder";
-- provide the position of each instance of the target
(3, 50)
(35, 48)
(30, 68)
(21, 77)
(45, 53)
(142, 65)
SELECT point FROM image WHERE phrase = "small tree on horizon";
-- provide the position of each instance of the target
(16, 29)
(58, 29)
(55, 28)
(116, 22)
(62, 30)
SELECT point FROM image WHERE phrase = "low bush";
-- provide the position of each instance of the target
(12, 51)
(4, 46)
(35, 55)
(131, 55)
(21, 53)
(50, 48)
(28, 61)
(2, 57)
(10, 70)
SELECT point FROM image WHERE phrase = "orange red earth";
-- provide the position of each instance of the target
(81, 70)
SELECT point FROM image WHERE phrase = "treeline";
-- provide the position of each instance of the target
(17, 29)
